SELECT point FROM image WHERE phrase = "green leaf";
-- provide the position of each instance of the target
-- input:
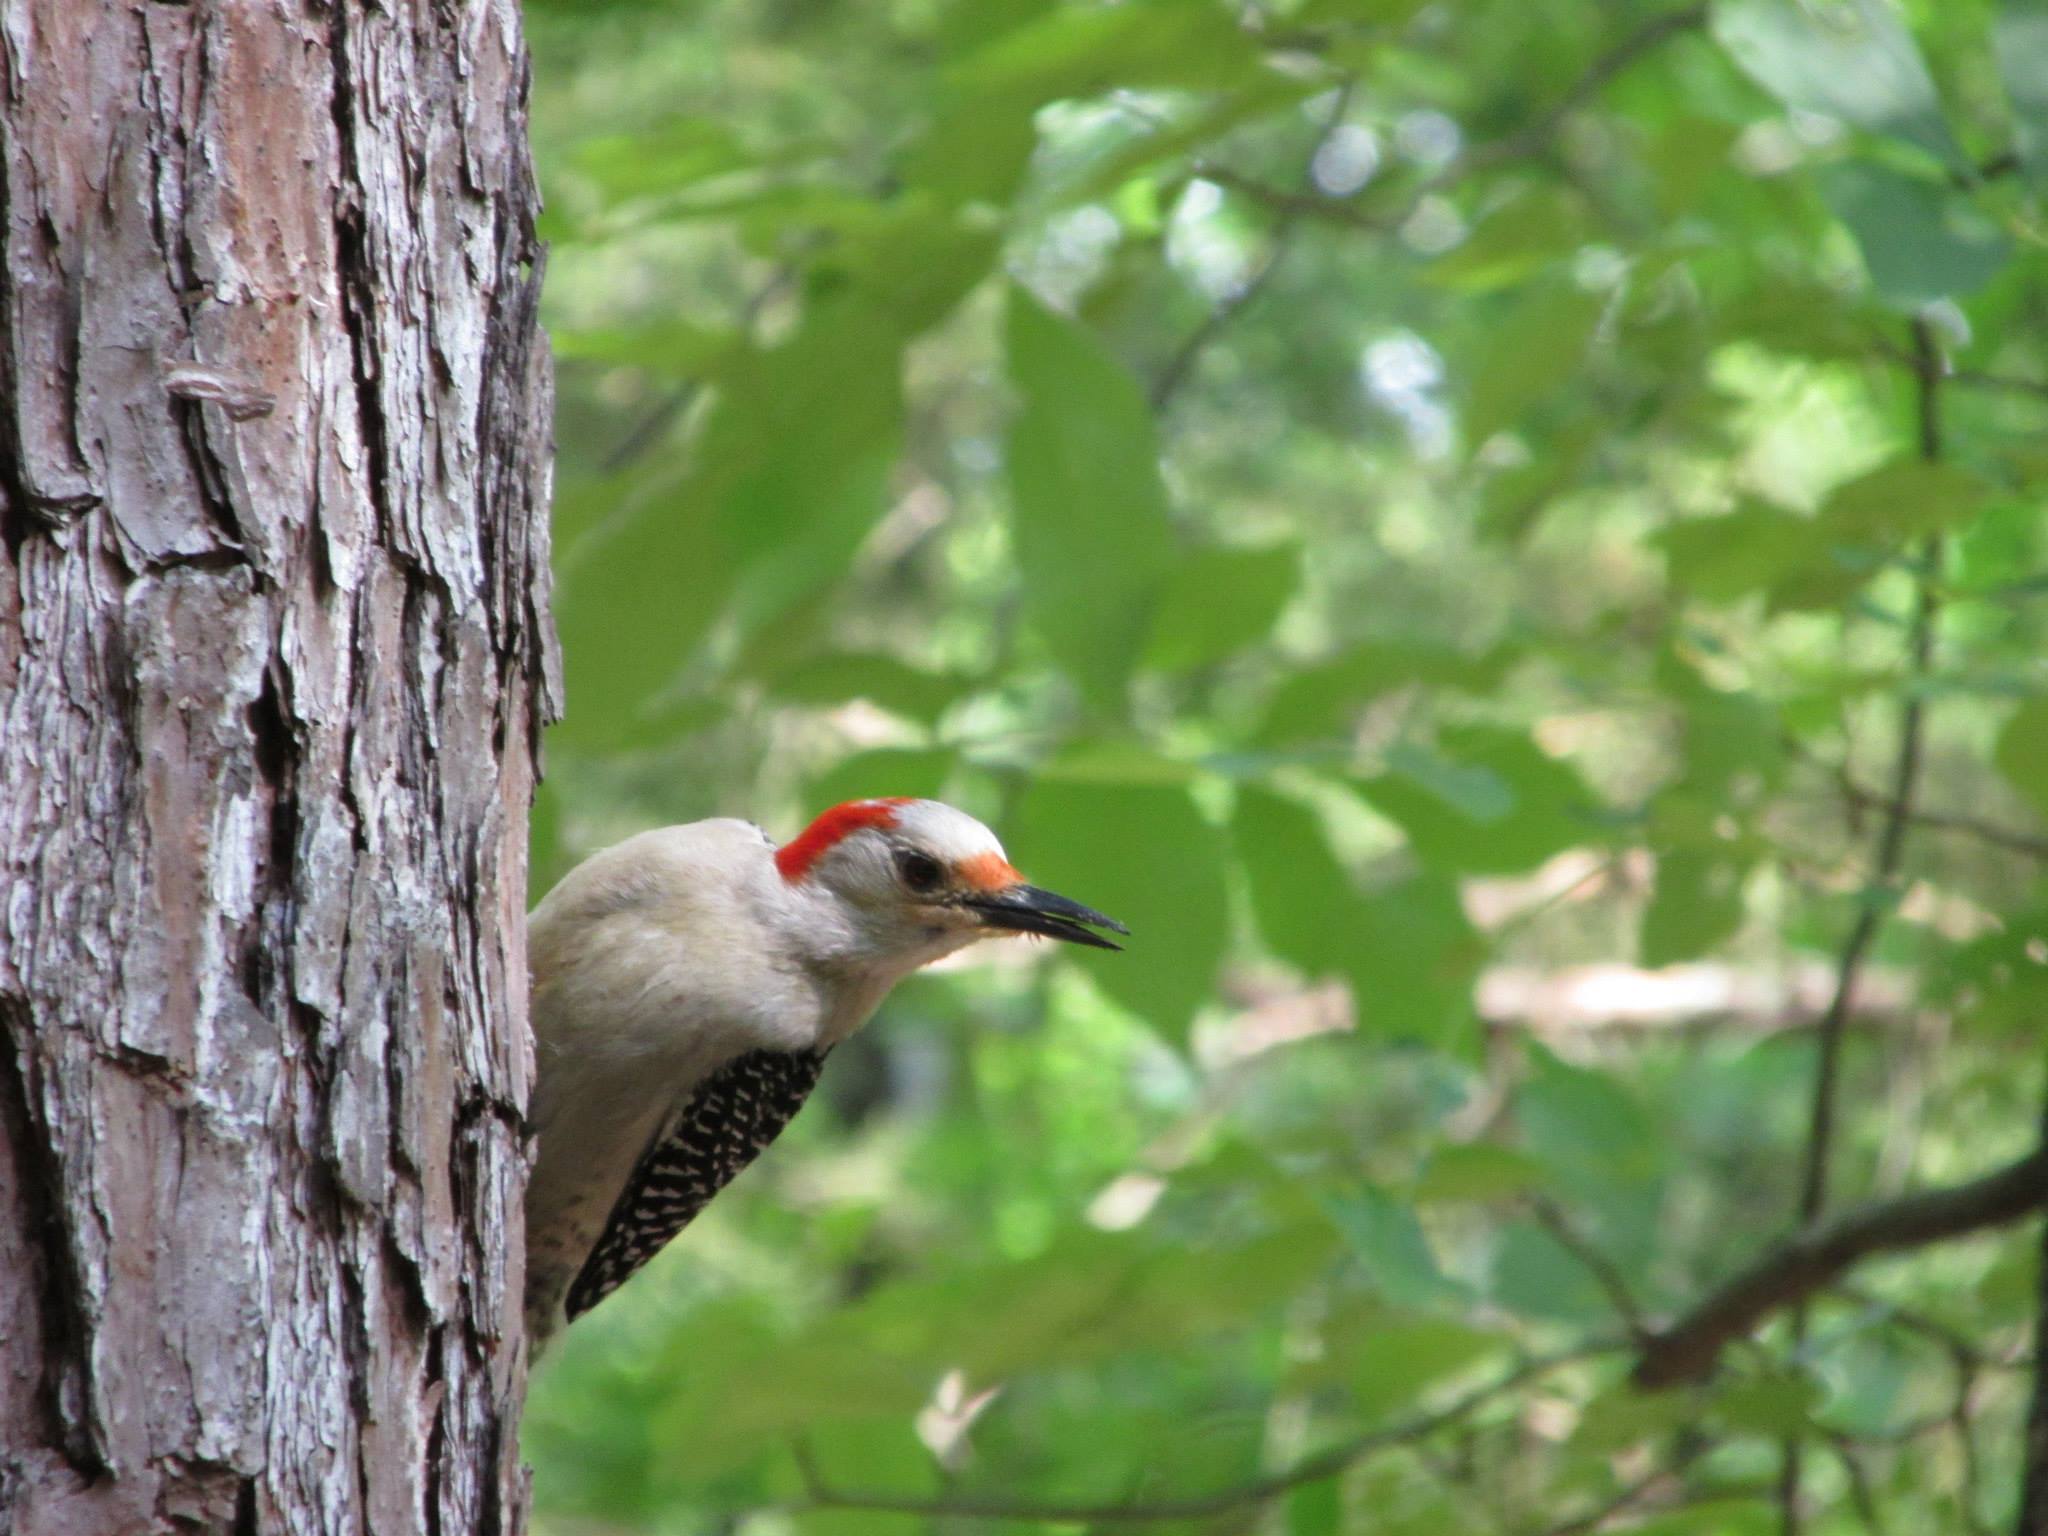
(1515, 241)
(1117, 761)
(1734, 749)
(1306, 905)
(1102, 177)
(1769, 1405)
(1849, 59)
(1144, 854)
(1218, 601)
(922, 775)
(1476, 1171)
(1755, 548)
(1488, 802)
(1315, 1509)
(2001, 547)
(981, 137)
(1089, 508)
(1619, 1416)
(911, 265)
(673, 348)
(1406, 951)
(662, 160)
(1533, 353)
(1713, 1517)
(1086, 50)
(1696, 907)
(2022, 751)
(1535, 1275)
(1581, 1122)
(883, 681)
(1090, 1296)
(1417, 960)
(1399, 1355)
(1902, 500)
(1474, 790)
(752, 529)
(1388, 1243)
(1325, 699)
(2020, 45)
(1921, 240)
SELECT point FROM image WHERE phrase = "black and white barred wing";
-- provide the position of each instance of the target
(714, 1133)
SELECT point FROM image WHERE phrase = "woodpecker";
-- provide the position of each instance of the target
(687, 986)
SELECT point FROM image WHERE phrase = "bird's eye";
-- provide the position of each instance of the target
(919, 871)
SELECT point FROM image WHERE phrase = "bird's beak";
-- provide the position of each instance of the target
(1027, 909)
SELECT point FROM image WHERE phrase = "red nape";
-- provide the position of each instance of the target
(795, 858)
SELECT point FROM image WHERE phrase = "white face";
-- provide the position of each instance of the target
(931, 880)
(904, 881)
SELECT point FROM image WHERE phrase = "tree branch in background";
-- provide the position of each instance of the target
(1531, 139)
(1226, 310)
(1553, 1218)
(1541, 129)
(1865, 797)
(1791, 1272)
(1891, 844)
(2009, 838)
(2033, 1519)
(820, 1494)
(1294, 207)
(1999, 383)
(668, 410)
(1971, 378)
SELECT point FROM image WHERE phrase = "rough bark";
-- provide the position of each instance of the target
(273, 658)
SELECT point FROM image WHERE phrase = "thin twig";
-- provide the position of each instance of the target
(2009, 838)
(1534, 135)
(1605, 1272)
(1279, 248)
(1865, 797)
(1817, 1160)
(1660, 1488)
(1814, 1259)
(1318, 1468)
(1861, 1495)
(1968, 378)
(1525, 142)
(1294, 207)
(1999, 383)
(665, 412)
(1292, 204)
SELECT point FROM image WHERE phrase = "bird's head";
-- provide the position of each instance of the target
(921, 880)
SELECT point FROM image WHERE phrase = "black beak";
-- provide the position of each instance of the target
(1027, 909)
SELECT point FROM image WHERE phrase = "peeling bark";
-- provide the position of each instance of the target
(274, 656)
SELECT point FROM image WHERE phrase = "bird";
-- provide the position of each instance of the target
(687, 985)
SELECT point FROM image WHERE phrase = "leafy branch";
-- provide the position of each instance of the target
(1812, 1260)
(1526, 142)
(1863, 797)
(1219, 319)
(819, 1493)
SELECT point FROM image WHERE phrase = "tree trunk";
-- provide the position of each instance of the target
(273, 659)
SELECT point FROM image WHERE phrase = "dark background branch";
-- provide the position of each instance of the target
(1803, 1264)
(2033, 1518)
(1927, 365)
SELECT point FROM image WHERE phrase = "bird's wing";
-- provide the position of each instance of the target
(714, 1131)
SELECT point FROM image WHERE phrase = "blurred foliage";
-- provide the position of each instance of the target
(1412, 506)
